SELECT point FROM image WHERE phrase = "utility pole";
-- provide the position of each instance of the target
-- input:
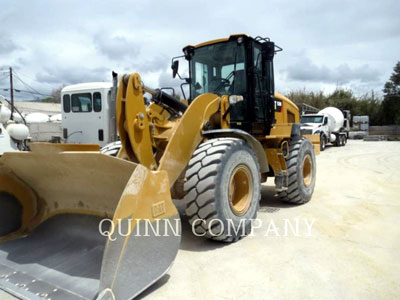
(11, 94)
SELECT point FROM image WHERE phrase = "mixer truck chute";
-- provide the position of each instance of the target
(330, 123)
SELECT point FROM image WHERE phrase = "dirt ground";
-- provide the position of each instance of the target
(350, 249)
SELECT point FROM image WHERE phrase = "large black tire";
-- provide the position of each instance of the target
(214, 166)
(322, 143)
(301, 171)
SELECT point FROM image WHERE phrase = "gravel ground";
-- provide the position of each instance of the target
(352, 250)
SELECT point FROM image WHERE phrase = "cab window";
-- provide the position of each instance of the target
(81, 102)
(67, 103)
(97, 102)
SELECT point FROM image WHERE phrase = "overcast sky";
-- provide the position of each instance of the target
(326, 44)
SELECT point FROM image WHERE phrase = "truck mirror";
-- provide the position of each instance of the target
(325, 121)
(175, 67)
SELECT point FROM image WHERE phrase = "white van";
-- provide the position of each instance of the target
(88, 113)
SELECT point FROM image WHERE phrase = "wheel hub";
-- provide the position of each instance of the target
(240, 190)
(307, 170)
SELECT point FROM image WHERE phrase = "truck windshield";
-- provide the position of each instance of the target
(218, 69)
(311, 119)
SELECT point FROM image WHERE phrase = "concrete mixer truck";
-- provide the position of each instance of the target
(330, 123)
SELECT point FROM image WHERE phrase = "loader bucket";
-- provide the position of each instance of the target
(78, 224)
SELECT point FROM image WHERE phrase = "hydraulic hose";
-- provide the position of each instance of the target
(167, 99)
(163, 97)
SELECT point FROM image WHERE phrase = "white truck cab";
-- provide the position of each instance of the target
(88, 113)
(315, 123)
(330, 123)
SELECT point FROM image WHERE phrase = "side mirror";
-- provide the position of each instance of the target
(325, 121)
(175, 67)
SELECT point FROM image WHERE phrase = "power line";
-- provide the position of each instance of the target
(24, 83)
(30, 90)
(29, 77)
(24, 91)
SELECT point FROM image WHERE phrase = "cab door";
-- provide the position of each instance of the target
(259, 89)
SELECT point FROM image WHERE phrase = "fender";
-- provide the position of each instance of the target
(253, 143)
(296, 130)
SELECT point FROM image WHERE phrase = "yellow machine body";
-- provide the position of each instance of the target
(55, 179)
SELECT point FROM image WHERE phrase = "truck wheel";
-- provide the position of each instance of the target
(222, 189)
(322, 143)
(301, 171)
(337, 141)
(344, 140)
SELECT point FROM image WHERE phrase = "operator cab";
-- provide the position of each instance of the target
(239, 65)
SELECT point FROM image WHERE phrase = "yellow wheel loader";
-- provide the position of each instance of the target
(79, 224)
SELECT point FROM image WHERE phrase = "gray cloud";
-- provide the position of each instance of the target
(4, 82)
(349, 42)
(63, 75)
(154, 64)
(306, 70)
(7, 45)
(116, 47)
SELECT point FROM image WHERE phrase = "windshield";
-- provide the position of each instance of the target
(311, 119)
(213, 70)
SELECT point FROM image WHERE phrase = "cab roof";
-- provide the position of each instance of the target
(86, 86)
(218, 40)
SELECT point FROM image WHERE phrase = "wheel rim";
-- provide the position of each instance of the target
(307, 170)
(240, 190)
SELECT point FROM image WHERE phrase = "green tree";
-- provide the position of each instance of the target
(391, 102)
(55, 95)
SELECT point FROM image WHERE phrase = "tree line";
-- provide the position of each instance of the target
(55, 96)
(381, 110)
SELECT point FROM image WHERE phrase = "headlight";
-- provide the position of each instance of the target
(233, 99)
